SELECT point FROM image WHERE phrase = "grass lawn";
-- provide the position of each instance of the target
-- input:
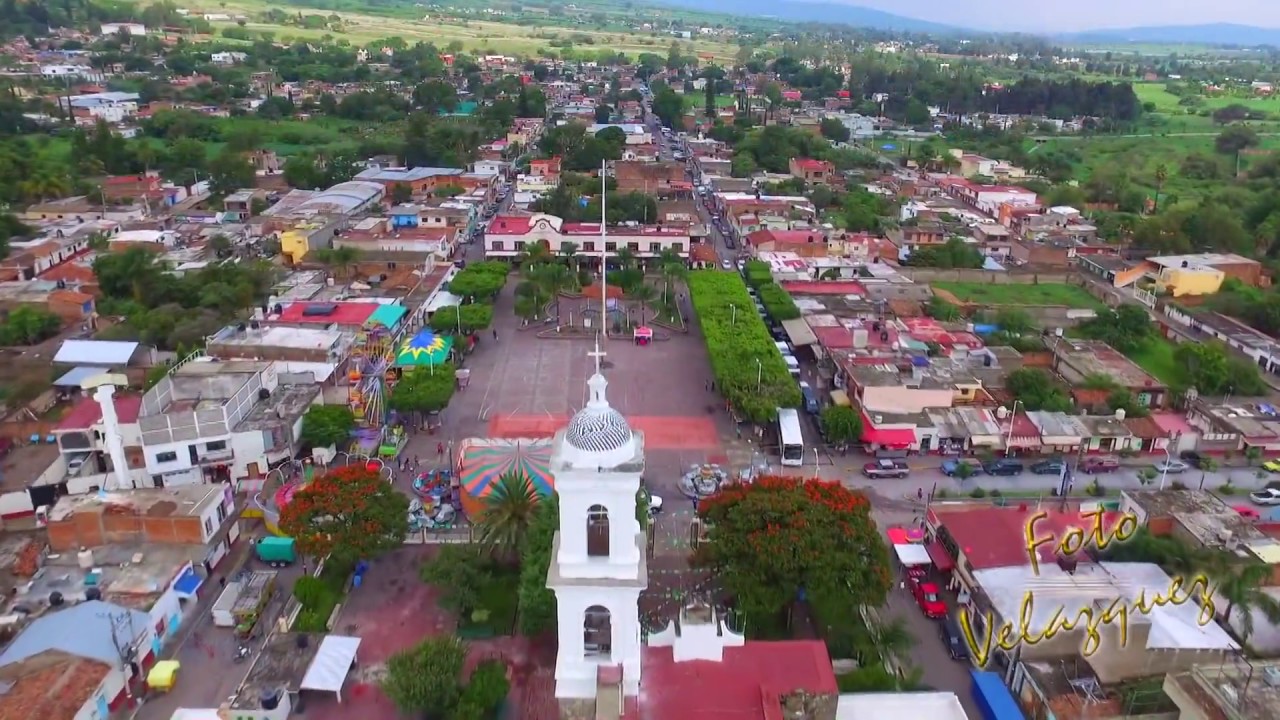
(1021, 294)
(1157, 359)
(1168, 102)
(697, 100)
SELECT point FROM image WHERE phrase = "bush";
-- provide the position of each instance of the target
(488, 688)
(747, 365)
(537, 603)
(1228, 489)
(777, 302)
(758, 273)
(313, 621)
(1096, 489)
(872, 678)
(311, 591)
(1178, 485)
(977, 493)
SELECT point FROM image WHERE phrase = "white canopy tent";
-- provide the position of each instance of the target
(328, 671)
(911, 554)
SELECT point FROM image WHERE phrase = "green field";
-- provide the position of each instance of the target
(419, 24)
(1166, 101)
(1021, 294)
(698, 101)
(1157, 358)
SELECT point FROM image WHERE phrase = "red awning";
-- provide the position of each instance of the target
(941, 558)
(898, 438)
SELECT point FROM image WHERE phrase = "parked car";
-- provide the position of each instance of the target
(811, 404)
(1048, 467)
(1192, 458)
(1171, 467)
(929, 599)
(726, 264)
(1268, 496)
(1271, 466)
(1100, 464)
(886, 468)
(951, 468)
(1003, 467)
(953, 638)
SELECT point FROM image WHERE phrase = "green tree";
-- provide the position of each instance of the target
(424, 389)
(954, 253)
(1037, 391)
(459, 573)
(462, 319)
(425, 681)
(486, 690)
(537, 603)
(325, 425)
(771, 539)
(1242, 584)
(1212, 370)
(1234, 139)
(834, 130)
(351, 510)
(27, 326)
(1015, 320)
(435, 97)
(229, 172)
(841, 424)
(480, 281)
(342, 260)
(401, 193)
(508, 513)
(940, 309)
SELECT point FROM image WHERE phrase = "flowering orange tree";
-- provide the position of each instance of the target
(351, 510)
(771, 539)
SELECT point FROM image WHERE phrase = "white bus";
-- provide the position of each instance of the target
(790, 437)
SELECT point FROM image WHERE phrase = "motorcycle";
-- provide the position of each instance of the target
(242, 654)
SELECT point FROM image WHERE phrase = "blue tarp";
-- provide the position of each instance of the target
(188, 583)
(994, 698)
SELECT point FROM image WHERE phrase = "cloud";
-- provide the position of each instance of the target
(1048, 18)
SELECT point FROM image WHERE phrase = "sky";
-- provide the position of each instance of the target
(1053, 17)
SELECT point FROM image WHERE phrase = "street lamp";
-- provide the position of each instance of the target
(1164, 472)
(759, 374)
(734, 308)
(1009, 437)
(458, 309)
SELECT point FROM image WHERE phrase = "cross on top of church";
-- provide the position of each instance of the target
(598, 354)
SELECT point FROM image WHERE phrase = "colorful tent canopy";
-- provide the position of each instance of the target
(388, 316)
(484, 461)
(425, 348)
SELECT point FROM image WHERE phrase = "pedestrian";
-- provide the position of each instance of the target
(440, 449)
(919, 493)
(415, 461)
(222, 582)
(495, 334)
(713, 386)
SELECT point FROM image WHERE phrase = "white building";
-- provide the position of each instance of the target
(113, 107)
(227, 58)
(636, 133)
(217, 421)
(73, 72)
(131, 28)
(598, 566)
(508, 235)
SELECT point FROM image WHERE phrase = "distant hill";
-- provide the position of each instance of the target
(1212, 34)
(816, 12)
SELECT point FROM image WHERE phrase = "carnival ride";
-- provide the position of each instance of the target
(703, 481)
(274, 496)
(372, 375)
(482, 461)
(436, 507)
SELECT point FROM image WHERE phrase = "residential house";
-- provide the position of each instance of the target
(818, 172)
(1078, 360)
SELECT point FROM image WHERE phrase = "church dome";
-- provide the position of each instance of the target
(598, 430)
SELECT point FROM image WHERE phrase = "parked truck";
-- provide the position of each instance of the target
(276, 551)
(886, 468)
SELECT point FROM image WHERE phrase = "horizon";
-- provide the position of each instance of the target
(1052, 19)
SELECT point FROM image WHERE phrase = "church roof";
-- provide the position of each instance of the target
(598, 430)
(749, 680)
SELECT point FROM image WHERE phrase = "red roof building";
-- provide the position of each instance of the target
(87, 413)
(347, 315)
(508, 235)
(748, 683)
(996, 537)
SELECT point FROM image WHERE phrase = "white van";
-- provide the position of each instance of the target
(793, 365)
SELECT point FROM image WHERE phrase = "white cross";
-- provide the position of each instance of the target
(597, 354)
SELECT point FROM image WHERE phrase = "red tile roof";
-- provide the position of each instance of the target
(510, 225)
(51, 686)
(344, 313)
(996, 537)
(87, 412)
(824, 287)
(746, 685)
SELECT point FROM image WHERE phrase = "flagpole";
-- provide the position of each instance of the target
(604, 255)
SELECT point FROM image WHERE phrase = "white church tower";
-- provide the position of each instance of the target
(598, 558)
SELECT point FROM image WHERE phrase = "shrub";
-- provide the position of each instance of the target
(537, 603)
(1178, 485)
(977, 493)
(487, 688)
(310, 591)
(1096, 489)
(777, 302)
(1228, 489)
(313, 621)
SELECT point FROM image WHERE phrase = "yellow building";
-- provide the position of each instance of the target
(1181, 275)
(301, 239)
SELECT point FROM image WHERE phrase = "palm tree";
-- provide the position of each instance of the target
(569, 250)
(1162, 174)
(1241, 585)
(508, 511)
(533, 254)
(625, 257)
(644, 294)
(885, 643)
(44, 185)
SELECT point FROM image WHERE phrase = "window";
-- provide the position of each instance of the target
(597, 531)
(610, 246)
(166, 457)
(208, 526)
(495, 245)
(655, 247)
(597, 633)
(519, 245)
(216, 446)
(633, 247)
(588, 247)
(222, 513)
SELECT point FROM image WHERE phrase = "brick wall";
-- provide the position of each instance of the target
(91, 529)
